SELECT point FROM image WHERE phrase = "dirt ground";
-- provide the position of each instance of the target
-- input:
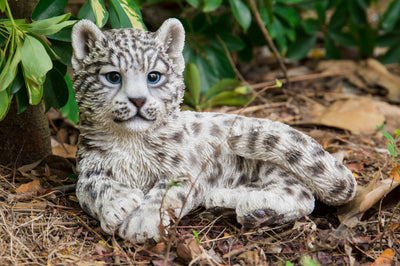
(41, 222)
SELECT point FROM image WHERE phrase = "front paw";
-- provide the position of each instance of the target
(117, 209)
(144, 224)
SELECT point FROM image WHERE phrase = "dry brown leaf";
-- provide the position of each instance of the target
(394, 175)
(360, 116)
(65, 150)
(385, 259)
(376, 74)
(33, 186)
(188, 249)
(351, 213)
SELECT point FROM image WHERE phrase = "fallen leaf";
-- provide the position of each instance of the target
(351, 213)
(385, 259)
(33, 186)
(188, 249)
(355, 167)
(394, 175)
(360, 116)
(376, 74)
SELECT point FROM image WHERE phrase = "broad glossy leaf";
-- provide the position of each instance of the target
(35, 91)
(366, 41)
(17, 83)
(241, 12)
(194, 3)
(4, 104)
(63, 35)
(233, 43)
(128, 14)
(48, 8)
(219, 61)
(192, 79)
(392, 55)
(51, 29)
(357, 13)
(3, 6)
(63, 51)
(35, 60)
(211, 5)
(332, 52)
(22, 98)
(301, 47)
(99, 11)
(320, 10)
(220, 86)
(70, 109)
(288, 14)
(55, 90)
(388, 39)
(345, 39)
(44, 23)
(339, 17)
(86, 12)
(391, 16)
(310, 26)
(50, 52)
(10, 70)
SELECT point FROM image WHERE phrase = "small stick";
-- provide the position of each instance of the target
(268, 39)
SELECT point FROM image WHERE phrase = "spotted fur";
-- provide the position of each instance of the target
(135, 141)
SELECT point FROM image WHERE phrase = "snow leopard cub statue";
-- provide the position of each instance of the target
(135, 142)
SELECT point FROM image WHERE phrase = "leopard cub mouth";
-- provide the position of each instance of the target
(137, 117)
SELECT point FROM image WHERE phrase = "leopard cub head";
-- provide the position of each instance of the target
(128, 79)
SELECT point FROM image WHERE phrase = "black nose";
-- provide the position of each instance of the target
(138, 102)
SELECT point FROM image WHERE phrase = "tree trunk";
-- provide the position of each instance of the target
(24, 138)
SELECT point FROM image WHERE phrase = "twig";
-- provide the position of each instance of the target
(268, 39)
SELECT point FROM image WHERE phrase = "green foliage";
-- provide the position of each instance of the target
(224, 92)
(393, 146)
(32, 69)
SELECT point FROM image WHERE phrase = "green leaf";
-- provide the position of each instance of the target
(17, 83)
(35, 91)
(192, 78)
(220, 86)
(55, 90)
(22, 98)
(51, 29)
(63, 35)
(86, 12)
(63, 50)
(227, 98)
(10, 70)
(233, 43)
(320, 10)
(387, 136)
(332, 52)
(357, 13)
(48, 8)
(339, 17)
(392, 55)
(70, 109)
(128, 14)
(35, 60)
(99, 11)
(278, 83)
(391, 16)
(44, 23)
(392, 150)
(194, 3)
(310, 26)
(49, 51)
(397, 131)
(345, 39)
(211, 5)
(241, 12)
(301, 47)
(288, 14)
(387, 40)
(219, 61)
(4, 104)
(3, 6)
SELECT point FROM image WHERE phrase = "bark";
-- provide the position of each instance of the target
(24, 138)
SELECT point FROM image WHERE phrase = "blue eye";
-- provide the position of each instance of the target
(114, 77)
(153, 77)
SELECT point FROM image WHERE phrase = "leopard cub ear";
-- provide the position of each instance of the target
(171, 34)
(84, 34)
